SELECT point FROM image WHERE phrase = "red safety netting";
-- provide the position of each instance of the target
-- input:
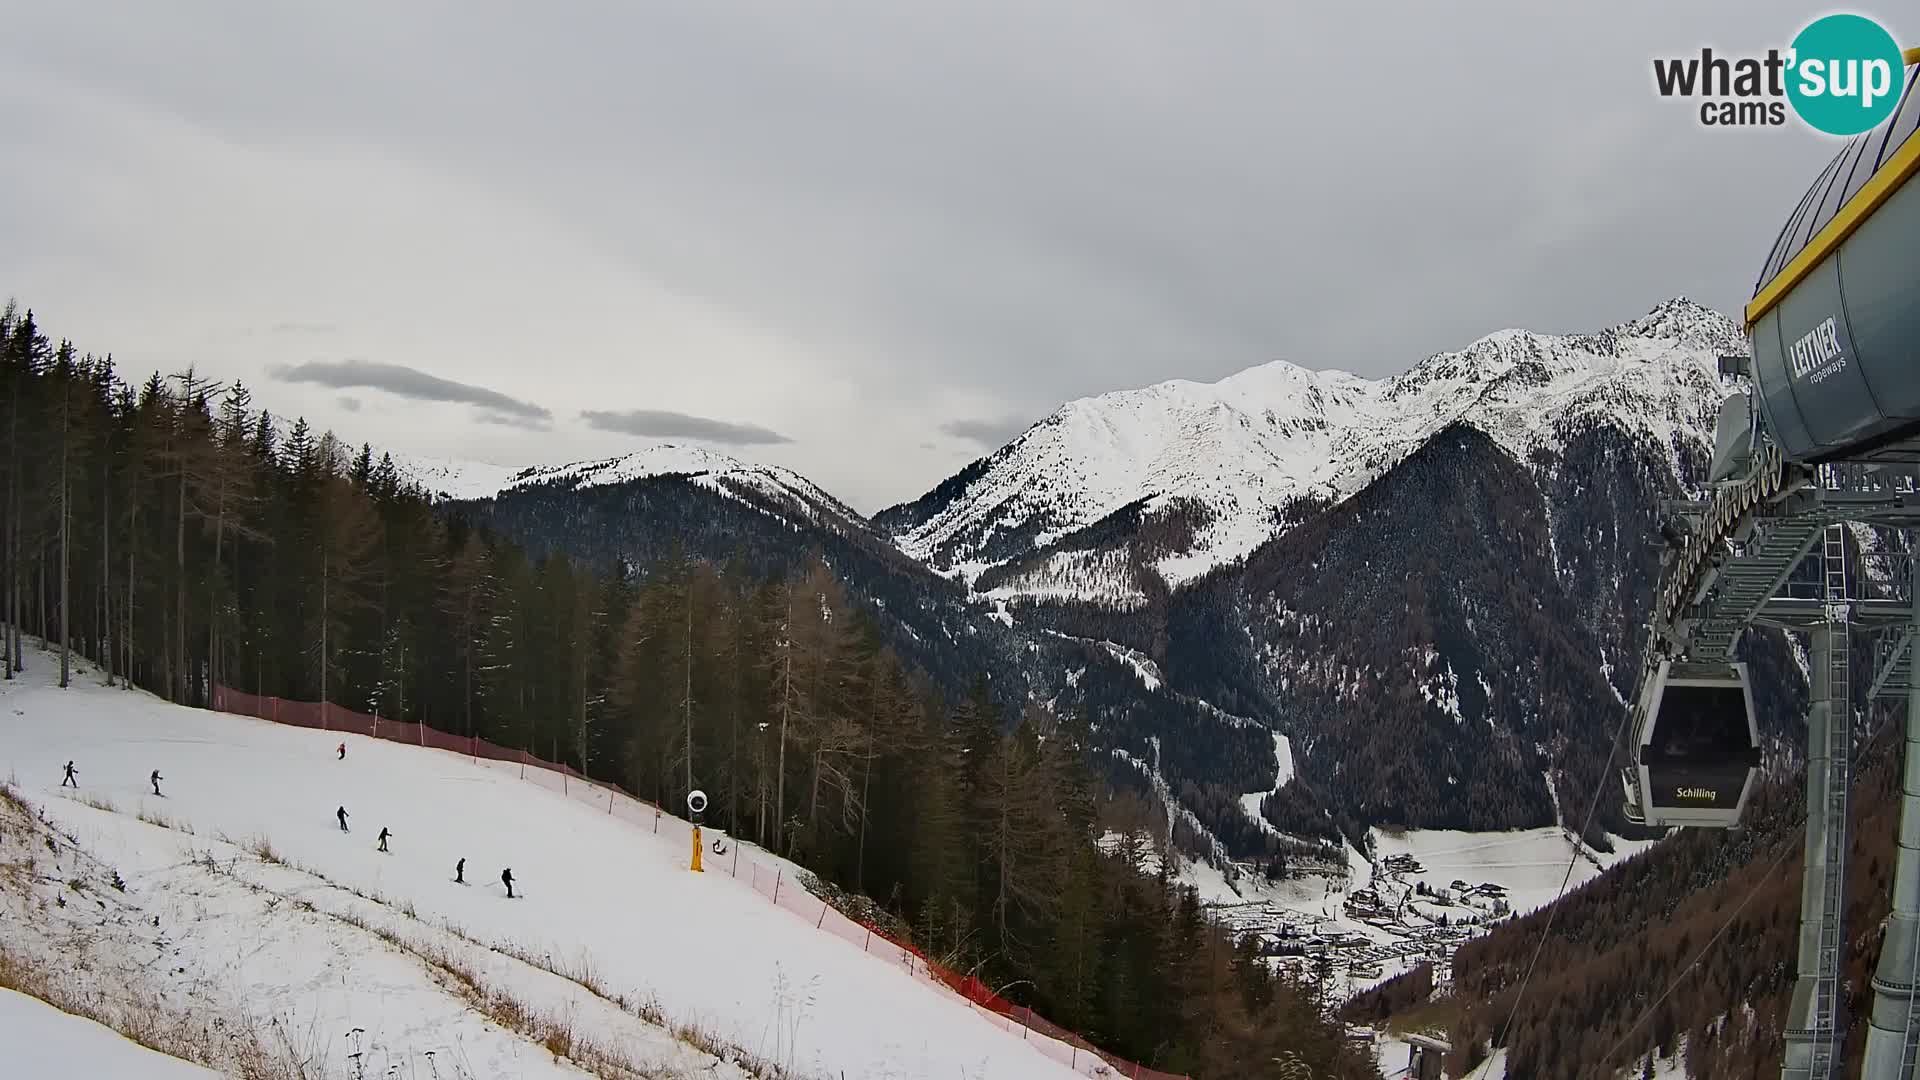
(766, 875)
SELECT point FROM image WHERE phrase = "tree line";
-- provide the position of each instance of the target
(180, 538)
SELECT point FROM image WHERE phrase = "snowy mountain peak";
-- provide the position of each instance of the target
(1226, 460)
(460, 480)
(1690, 324)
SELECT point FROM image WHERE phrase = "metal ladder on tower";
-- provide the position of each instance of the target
(1826, 1020)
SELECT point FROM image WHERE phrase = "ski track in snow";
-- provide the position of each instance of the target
(707, 947)
(1283, 764)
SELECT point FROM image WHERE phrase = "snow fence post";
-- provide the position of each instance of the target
(822, 920)
(776, 883)
(736, 858)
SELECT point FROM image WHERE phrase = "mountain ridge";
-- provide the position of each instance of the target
(1166, 596)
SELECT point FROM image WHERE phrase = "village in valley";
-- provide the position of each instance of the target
(1362, 928)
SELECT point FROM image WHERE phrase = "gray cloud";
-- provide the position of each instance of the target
(499, 419)
(403, 381)
(992, 434)
(351, 404)
(951, 220)
(302, 328)
(665, 424)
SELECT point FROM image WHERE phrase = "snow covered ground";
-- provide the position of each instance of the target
(43, 1043)
(1283, 764)
(1529, 864)
(1371, 946)
(306, 939)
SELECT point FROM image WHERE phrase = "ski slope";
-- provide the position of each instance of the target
(598, 892)
(43, 1043)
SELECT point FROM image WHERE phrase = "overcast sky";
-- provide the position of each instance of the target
(863, 240)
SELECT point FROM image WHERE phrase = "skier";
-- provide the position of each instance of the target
(383, 837)
(342, 815)
(68, 779)
(343, 751)
(460, 872)
(156, 778)
(506, 878)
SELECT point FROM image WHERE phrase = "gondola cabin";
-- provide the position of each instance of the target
(1697, 749)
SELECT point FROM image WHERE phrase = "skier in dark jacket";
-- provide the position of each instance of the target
(460, 872)
(68, 779)
(383, 837)
(342, 815)
(343, 751)
(506, 878)
(156, 778)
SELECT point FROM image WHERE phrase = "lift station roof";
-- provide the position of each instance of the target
(1835, 316)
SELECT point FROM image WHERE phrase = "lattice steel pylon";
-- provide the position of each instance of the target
(1816, 1024)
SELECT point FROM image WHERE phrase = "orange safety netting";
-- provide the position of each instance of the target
(771, 882)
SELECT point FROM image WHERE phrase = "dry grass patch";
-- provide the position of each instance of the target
(236, 1050)
(10, 795)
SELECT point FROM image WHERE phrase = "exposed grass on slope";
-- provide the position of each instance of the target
(238, 1048)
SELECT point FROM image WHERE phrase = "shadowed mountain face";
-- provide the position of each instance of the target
(1435, 584)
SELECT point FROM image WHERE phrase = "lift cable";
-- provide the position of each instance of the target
(1786, 849)
(1579, 840)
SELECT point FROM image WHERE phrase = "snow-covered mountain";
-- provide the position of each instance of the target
(1433, 584)
(768, 487)
(1233, 462)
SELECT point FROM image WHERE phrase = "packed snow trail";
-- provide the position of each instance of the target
(598, 891)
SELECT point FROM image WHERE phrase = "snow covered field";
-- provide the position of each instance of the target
(1528, 863)
(302, 939)
(43, 1043)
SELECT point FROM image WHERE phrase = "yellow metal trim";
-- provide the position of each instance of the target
(1891, 175)
(1911, 56)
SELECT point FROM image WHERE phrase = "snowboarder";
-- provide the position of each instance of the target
(342, 815)
(343, 751)
(156, 778)
(460, 872)
(68, 779)
(506, 878)
(383, 837)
